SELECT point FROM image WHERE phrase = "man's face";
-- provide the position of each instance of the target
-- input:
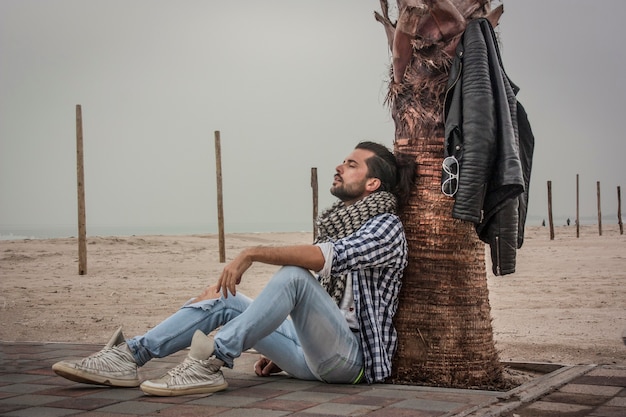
(350, 183)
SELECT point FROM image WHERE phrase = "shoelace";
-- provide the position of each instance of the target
(182, 367)
(108, 359)
(193, 370)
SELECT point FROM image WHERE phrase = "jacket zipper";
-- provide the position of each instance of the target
(498, 255)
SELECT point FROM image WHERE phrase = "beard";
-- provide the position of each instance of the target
(347, 192)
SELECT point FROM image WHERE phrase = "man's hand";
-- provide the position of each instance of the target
(231, 275)
(265, 367)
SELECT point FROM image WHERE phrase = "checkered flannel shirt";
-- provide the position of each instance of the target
(375, 256)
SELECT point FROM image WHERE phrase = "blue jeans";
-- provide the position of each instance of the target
(315, 343)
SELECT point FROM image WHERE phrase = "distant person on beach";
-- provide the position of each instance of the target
(333, 326)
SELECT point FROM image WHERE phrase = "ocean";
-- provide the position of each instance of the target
(8, 232)
(64, 231)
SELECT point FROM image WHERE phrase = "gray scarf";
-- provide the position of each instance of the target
(340, 221)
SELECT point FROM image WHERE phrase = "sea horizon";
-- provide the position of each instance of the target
(16, 232)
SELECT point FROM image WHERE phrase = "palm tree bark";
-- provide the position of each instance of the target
(444, 317)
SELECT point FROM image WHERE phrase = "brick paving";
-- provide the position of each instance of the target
(28, 387)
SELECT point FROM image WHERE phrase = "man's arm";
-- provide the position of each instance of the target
(305, 256)
(380, 242)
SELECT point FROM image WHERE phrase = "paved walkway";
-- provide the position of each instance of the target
(28, 387)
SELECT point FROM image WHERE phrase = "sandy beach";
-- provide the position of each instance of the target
(565, 304)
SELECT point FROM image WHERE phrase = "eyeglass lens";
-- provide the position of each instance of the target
(450, 183)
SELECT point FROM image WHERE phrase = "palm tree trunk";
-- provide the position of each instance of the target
(444, 316)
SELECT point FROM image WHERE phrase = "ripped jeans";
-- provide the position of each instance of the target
(315, 343)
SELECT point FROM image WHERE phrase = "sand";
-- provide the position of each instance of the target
(565, 304)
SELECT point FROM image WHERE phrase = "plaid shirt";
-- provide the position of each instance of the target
(375, 256)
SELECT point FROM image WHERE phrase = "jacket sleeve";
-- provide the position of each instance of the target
(526, 150)
(501, 234)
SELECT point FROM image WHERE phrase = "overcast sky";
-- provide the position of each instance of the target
(289, 84)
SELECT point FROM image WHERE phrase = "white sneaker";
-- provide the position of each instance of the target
(199, 373)
(114, 365)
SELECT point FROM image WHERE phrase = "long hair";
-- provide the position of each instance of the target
(396, 172)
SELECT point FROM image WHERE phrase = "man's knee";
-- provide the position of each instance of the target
(293, 275)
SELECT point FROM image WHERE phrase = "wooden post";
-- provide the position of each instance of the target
(315, 200)
(80, 177)
(220, 202)
(577, 208)
(550, 210)
(619, 211)
(599, 210)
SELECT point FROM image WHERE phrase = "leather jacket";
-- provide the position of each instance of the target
(488, 132)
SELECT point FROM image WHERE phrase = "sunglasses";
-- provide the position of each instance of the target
(450, 176)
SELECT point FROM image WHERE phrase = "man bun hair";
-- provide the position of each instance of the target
(395, 172)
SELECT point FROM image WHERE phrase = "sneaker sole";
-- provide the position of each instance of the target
(85, 377)
(172, 392)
